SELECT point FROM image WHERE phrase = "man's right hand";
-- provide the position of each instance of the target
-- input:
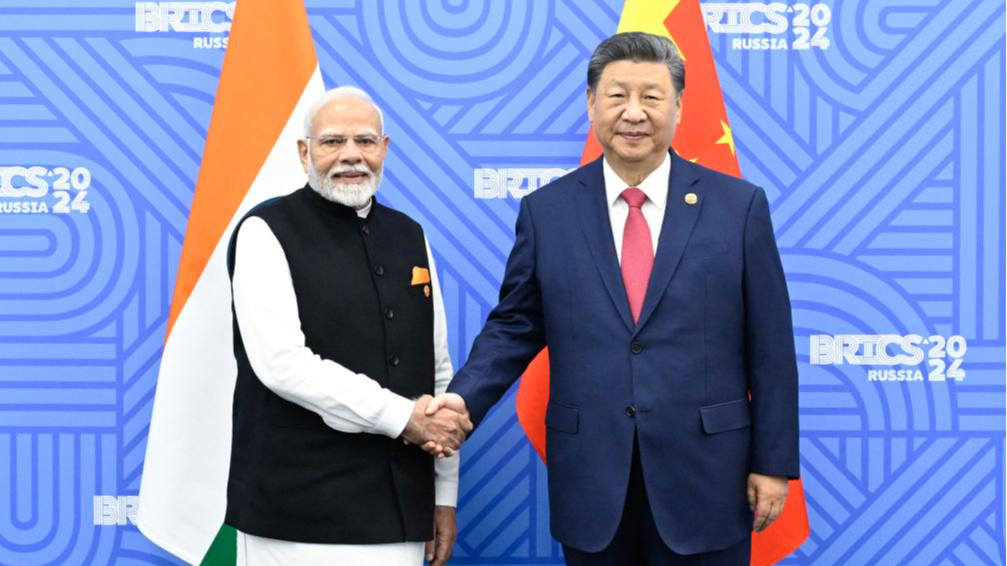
(440, 432)
(450, 402)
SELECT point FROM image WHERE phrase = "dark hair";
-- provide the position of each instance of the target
(638, 47)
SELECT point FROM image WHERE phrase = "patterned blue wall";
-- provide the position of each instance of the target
(883, 154)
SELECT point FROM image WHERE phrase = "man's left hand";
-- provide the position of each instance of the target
(445, 533)
(766, 496)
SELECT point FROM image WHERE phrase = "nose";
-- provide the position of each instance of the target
(634, 112)
(350, 154)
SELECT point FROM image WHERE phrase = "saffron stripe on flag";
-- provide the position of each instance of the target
(269, 79)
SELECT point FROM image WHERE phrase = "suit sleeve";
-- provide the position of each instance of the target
(514, 332)
(769, 349)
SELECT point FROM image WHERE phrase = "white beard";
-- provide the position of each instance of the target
(353, 195)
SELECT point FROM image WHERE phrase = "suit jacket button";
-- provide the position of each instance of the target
(389, 313)
(393, 359)
(365, 230)
(636, 347)
(630, 411)
(379, 269)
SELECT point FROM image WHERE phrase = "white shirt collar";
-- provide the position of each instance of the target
(655, 186)
(363, 212)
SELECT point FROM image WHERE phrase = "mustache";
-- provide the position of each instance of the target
(341, 169)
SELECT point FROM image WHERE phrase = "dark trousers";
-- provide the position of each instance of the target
(637, 541)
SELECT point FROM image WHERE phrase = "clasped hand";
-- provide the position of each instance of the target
(439, 424)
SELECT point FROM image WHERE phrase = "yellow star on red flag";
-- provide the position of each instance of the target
(727, 138)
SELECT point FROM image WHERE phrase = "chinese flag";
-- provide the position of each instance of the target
(704, 136)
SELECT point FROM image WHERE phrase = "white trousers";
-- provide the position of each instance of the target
(258, 551)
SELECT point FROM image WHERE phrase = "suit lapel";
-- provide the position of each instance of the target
(679, 220)
(595, 223)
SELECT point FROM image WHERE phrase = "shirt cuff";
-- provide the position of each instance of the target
(446, 488)
(395, 416)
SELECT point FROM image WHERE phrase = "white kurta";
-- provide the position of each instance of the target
(268, 318)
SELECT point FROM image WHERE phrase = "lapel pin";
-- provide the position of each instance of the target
(426, 291)
(691, 198)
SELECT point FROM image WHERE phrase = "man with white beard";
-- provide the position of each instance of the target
(340, 341)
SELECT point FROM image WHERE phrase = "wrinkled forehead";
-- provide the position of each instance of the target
(347, 116)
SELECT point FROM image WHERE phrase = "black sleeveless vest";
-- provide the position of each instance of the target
(292, 477)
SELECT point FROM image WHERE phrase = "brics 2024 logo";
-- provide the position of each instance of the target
(112, 510)
(893, 350)
(22, 190)
(188, 17)
(513, 182)
(808, 22)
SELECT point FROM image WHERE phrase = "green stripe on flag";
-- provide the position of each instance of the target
(224, 550)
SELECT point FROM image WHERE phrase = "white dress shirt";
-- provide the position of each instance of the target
(266, 309)
(655, 186)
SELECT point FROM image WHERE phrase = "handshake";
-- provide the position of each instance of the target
(438, 424)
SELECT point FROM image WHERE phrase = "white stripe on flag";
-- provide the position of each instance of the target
(183, 488)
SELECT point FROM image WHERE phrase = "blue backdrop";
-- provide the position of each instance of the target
(878, 134)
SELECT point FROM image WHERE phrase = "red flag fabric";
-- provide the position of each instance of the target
(704, 137)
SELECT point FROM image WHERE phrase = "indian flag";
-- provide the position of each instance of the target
(269, 79)
(704, 137)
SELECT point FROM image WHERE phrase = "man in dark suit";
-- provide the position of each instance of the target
(658, 288)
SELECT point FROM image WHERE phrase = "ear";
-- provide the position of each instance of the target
(678, 109)
(302, 152)
(590, 105)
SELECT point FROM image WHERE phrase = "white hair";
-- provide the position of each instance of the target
(353, 195)
(335, 94)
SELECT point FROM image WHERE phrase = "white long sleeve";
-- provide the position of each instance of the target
(269, 321)
(446, 470)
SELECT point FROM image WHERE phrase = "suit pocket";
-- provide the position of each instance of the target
(726, 416)
(564, 418)
(702, 249)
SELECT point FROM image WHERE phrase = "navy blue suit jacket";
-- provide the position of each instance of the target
(715, 326)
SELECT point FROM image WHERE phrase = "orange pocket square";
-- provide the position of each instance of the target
(421, 276)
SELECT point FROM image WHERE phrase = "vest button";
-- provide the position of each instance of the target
(365, 230)
(393, 359)
(389, 313)
(630, 411)
(379, 269)
(636, 347)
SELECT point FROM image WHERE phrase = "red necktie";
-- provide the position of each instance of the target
(637, 251)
